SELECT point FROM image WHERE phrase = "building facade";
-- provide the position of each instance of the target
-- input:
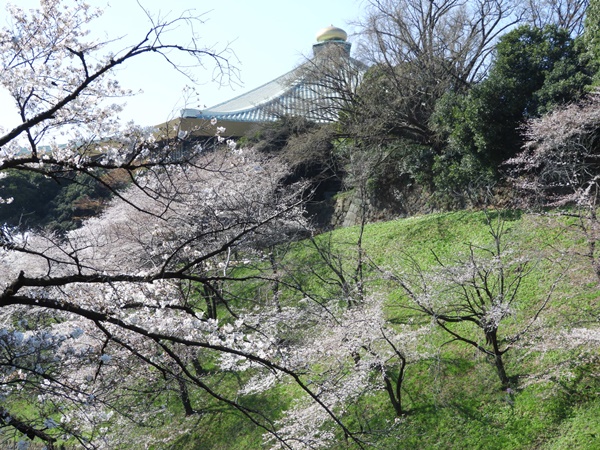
(316, 90)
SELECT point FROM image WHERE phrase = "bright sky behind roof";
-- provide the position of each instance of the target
(268, 38)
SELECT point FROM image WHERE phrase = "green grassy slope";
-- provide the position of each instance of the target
(453, 399)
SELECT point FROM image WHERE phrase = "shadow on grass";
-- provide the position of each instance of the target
(508, 215)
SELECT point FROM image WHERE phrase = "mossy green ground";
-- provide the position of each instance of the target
(453, 400)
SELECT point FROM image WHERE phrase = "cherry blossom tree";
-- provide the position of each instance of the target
(98, 323)
(337, 331)
(558, 167)
(477, 299)
(124, 288)
(347, 353)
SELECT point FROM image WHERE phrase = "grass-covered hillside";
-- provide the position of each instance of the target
(385, 336)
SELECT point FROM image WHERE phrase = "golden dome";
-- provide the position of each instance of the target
(331, 33)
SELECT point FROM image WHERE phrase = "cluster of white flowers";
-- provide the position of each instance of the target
(340, 356)
(559, 161)
(94, 296)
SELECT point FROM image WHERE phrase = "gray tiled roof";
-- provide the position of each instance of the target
(288, 94)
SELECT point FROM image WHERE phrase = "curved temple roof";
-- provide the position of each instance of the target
(310, 91)
(267, 103)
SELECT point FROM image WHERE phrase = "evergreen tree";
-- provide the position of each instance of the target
(534, 70)
(591, 37)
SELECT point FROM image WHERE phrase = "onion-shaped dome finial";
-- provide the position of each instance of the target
(331, 33)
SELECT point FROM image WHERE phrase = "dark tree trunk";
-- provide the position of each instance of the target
(396, 402)
(185, 397)
(492, 339)
(395, 393)
(275, 284)
(499, 363)
(197, 367)
(211, 304)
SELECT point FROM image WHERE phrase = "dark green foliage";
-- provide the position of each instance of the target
(591, 37)
(458, 170)
(57, 203)
(32, 196)
(76, 201)
(567, 81)
(533, 71)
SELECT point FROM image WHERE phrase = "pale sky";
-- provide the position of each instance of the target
(268, 37)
